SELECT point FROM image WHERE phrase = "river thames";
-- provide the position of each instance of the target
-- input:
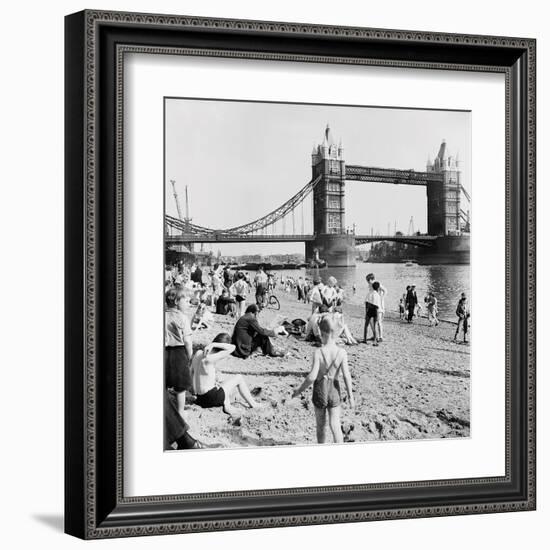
(447, 282)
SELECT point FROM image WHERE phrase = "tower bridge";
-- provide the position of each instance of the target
(448, 223)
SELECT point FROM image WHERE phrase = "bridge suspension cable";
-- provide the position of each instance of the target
(466, 194)
(270, 219)
(280, 212)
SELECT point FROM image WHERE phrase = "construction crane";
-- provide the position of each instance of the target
(178, 207)
(187, 218)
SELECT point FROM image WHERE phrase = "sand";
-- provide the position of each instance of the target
(414, 385)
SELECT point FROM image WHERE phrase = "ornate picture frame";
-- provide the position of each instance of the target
(95, 503)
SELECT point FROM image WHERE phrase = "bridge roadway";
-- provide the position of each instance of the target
(417, 240)
(391, 175)
(215, 237)
(235, 238)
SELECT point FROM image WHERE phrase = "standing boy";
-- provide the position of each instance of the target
(178, 348)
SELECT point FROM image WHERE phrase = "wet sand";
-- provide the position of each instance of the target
(414, 385)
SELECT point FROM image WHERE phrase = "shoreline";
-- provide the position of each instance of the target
(414, 385)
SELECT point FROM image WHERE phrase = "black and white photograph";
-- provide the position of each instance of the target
(316, 273)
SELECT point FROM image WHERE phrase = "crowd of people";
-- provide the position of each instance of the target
(409, 308)
(193, 296)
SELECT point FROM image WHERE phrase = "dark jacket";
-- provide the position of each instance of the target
(196, 276)
(246, 329)
(411, 299)
(223, 305)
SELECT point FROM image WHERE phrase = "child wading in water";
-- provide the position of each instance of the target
(326, 365)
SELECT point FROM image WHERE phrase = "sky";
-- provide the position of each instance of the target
(241, 160)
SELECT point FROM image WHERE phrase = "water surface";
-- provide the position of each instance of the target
(446, 281)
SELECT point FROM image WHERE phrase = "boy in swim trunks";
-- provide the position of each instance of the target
(328, 361)
(209, 393)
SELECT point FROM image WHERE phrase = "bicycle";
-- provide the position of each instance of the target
(273, 302)
(269, 301)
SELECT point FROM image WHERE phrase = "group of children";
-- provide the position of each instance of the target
(374, 310)
(326, 301)
(409, 303)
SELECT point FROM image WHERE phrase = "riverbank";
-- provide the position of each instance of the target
(414, 385)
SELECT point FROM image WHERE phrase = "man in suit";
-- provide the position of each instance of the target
(411, 301)
(248, 335)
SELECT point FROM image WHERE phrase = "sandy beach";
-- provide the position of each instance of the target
(415, 385)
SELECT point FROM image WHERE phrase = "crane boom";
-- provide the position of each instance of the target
(178, 207)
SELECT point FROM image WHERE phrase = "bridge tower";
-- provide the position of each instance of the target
(333, 243)
(444, 195)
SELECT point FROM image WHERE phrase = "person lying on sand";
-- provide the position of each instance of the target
(209, 393)
(326, 365)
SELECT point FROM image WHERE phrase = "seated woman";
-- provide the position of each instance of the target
(209, 393)
(346, 334)
(225, 304)
(313, 333)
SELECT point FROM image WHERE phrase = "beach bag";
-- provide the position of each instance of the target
(291, 328)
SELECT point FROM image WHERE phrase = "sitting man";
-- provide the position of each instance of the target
(209, 393)
(248, 335)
